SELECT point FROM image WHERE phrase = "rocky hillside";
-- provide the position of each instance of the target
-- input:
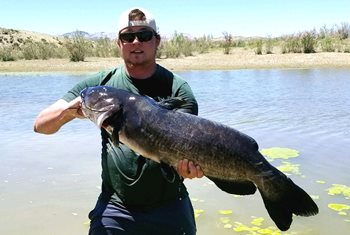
(19, 37)
(13, 37)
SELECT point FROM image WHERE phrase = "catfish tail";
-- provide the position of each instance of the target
(291, 199)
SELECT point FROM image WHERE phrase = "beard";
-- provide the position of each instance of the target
(140, 60)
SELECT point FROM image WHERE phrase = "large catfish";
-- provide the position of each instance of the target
(228, 157)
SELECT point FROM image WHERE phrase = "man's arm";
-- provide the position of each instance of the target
(51, 119)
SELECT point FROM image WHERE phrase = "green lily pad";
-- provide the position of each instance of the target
(339, 189)
(228, 226)
(87, 223)
(239, 227)
(225, 220)
(279, 153)
(257, 221)
(197, 213)
(225, 212)
(288, 167)
(338, 207)
(266, 231)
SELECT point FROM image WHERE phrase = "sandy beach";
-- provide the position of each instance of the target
(216, 60)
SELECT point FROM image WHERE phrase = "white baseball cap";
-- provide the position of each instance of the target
(124, 20)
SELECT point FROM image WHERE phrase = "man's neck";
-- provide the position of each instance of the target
(140, 71)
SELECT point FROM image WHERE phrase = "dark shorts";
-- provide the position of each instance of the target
(113, 219)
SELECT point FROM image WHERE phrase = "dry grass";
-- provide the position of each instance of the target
(238, 59)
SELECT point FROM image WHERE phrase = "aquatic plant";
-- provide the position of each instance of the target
(339, 189)
(289, 168)
(225, 212)
(339, 207)
(197, 213)
(279, 153)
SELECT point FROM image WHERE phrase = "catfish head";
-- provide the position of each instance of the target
(100, 104)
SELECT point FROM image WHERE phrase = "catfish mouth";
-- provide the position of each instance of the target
(99, 116)
(102, 120)
(112, 122)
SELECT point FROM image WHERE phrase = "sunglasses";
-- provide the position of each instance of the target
(142, 36)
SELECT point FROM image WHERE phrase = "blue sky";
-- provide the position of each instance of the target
(197, 18)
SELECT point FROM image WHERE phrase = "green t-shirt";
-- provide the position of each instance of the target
(127, 177)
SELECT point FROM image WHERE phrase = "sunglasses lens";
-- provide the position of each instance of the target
(127, 37)
(142, 36)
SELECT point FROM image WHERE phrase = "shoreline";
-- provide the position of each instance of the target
(216, 60)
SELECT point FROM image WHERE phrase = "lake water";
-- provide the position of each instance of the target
(48, 184)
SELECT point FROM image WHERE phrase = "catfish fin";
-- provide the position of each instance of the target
(291, 199)
(115, 139)
(112, 126)
(171, 103)
(239, 187)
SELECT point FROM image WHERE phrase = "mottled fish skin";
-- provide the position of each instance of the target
(228, 157)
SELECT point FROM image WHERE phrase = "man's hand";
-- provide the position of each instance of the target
(187, 169)
(74, 108)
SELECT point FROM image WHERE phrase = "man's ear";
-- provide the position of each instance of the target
(118, 42)
(157, 39)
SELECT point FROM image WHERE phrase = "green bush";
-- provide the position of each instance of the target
(105, 47)
(269, 46)
(6, 54)
(346, 49)
(202, 44)
(327, 44)
(343, 31)
(308, 42)
(258, 47)
(227, 44)
(291, 44)
(178, 45)
(78, 47)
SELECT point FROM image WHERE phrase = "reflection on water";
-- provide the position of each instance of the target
(57, 177)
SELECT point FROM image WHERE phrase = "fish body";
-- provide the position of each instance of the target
(230, 158)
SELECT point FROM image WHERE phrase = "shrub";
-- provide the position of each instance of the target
(343, 31)
(258, 47)
(77, 46)
(269, 46)
(291, 44)
(41, 50)
(178, 45)
(308, 42)
(105, 47)
(327, 44)
(6, 54)
(202, 44)
(227, 43)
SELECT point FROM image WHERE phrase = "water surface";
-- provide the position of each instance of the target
(48, 184)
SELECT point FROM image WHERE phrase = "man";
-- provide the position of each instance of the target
(138, 195)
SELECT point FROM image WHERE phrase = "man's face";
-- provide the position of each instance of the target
(137, 52)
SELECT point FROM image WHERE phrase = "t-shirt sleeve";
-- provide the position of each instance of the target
(91, 81)
(185, 92)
